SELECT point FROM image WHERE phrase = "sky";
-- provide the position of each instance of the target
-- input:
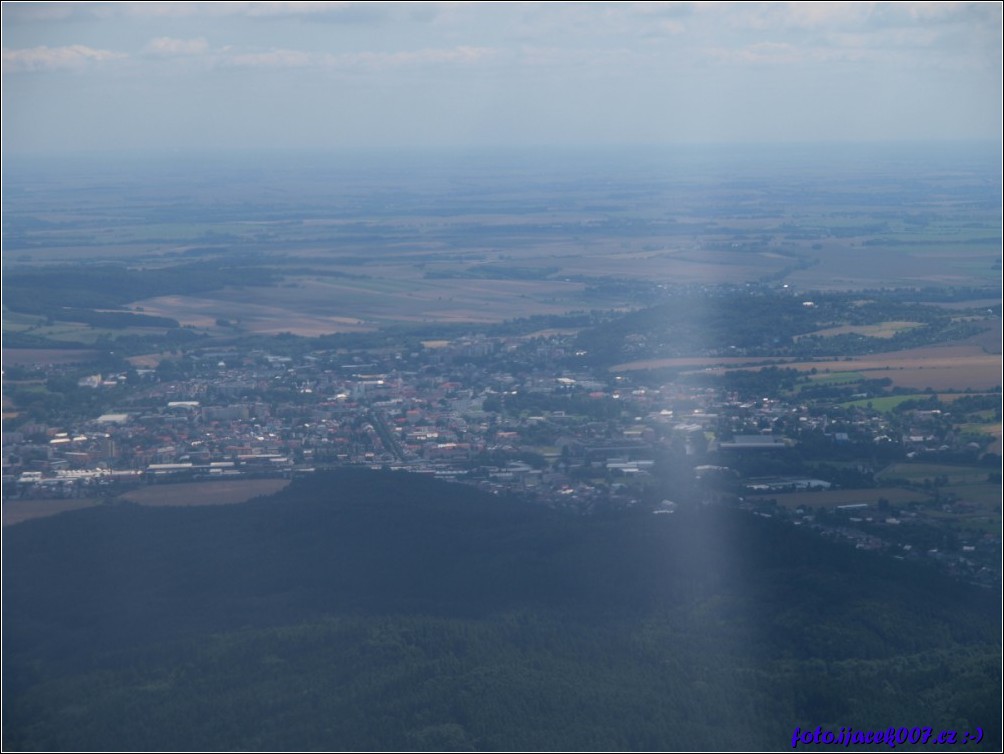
(331, 75)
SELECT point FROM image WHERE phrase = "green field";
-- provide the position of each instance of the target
(835, 378)
(834, 498)
(878, 330)
(990, 428)
(916, 473)
(77, 332)
(890, 402)
(985, 494)
(884, 402)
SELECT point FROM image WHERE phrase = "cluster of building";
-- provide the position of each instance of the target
(506, 414)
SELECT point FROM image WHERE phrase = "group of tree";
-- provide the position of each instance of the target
(384, 611)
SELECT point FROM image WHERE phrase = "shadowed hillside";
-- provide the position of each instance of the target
(368, 610)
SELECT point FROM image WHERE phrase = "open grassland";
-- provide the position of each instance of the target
(879, 330)
(953, 367)
(976, 303)
(316, 306)
(148, 360)
(977, 372)
(84, 334)
(937, 356)
(885, 402)
(551, 332)
(986, 495)
(977, 524)
(48, 356)
(249, 314)
(9, 409)
(833, 498)
(352, 249)
(918, 473)
(223, 492)
(973, 507)
(689, 362)
(19, 321)
(836, 377)
(890, 402)
(672, 266)
(847, 265)
(942, 367)
(18, 511)
(990, 428)
(997, 446)
(991, 339)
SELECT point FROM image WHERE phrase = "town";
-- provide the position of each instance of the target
(527, 414)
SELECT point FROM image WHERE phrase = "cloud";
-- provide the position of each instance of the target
(919, 35)
(791, 15)
(280, 58)
(670, 26)
(852, 49)
(70, 57)
(609, 60)
(168, 47)
(847, 16)
(275, 59)
(166, 10)
(50, 11)
(18, 12)
(762, 52)
(457, 55)
(331, 11)
(823, 15)
(938, 10)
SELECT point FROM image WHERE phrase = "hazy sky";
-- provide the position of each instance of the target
(315, 74)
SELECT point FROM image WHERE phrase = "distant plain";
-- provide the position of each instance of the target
(475, 238)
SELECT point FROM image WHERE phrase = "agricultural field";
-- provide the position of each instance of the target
(851, 265)
(222, 492)
(684, 362)
(884, 403)
(879, 330)
(148, 360)
(310, 307)
(836, 377)
(19, 511)
(887, 403)
(86, 335)
(267, 311)
(918, 473)
(48, 356)
(834, 498)
(985, 495)
(351, 247)
(942, 367)
(61, 329)
(939, 367)
(989, 428)
(992, 429)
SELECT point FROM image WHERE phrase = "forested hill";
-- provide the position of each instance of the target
(369, 610)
